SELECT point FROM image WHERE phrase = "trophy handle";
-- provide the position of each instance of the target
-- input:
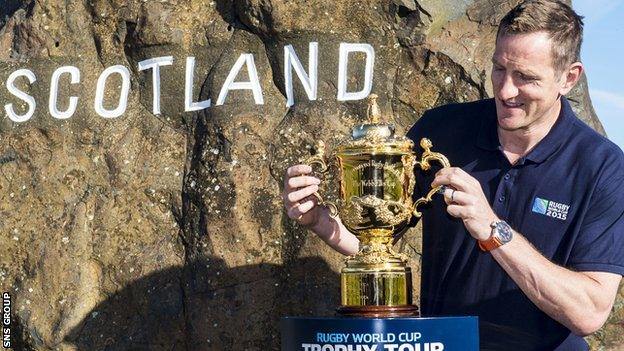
(427, 156)
(319, 159)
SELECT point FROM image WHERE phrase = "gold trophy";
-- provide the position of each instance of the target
(376, 177)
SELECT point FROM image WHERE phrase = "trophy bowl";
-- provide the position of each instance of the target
(376, 183)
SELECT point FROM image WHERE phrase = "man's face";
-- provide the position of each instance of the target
(525, 85)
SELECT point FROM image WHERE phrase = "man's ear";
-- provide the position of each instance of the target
(570, 77)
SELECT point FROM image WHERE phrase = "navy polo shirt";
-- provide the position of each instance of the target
(566, 197)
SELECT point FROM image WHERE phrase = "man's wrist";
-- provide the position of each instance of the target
(485, 228)
(501, 234)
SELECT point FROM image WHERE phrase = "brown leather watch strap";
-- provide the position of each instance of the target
(489, 244)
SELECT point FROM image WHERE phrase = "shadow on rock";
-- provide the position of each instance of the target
(206, 305)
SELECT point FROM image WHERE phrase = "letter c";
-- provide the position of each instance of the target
(73, 100)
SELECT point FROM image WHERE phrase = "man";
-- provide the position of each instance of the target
(530, 236)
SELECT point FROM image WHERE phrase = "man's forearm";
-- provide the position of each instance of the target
(574, 299)
(336, 235)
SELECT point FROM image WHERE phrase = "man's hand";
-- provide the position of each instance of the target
(466, 200)
(303, 208)
(298, 188)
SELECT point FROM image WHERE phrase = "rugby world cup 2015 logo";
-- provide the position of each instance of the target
(551, 208)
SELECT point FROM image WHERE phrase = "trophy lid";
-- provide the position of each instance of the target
(374, 127)
(375, 135)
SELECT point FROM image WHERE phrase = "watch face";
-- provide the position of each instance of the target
(504, 231)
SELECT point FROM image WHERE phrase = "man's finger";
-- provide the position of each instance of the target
(297, 170)
(456, 211)
(454, 177)
(301, 181)
(453, 196)
(456, 170)
(295, 196)
(299, 209)
(306, 206)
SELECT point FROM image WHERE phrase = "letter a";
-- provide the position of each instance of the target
(253, 84)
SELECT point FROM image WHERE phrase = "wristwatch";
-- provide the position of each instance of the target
(501, 234)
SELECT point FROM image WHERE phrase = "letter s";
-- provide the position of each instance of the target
(21, 95)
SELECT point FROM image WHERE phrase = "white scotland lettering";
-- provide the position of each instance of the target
(189, 105)
(73, 100)
(253, 84)
(155, 65)
(123, 96)
(343, 60)
(308, 80)
(32, 104)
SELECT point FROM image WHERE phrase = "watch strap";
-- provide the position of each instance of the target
(494, 241)
(490, 244)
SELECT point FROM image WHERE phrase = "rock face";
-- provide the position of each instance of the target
(166, 231)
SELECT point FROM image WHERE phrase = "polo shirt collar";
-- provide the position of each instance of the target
(488, 133)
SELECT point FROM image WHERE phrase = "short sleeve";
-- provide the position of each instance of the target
(600, 243)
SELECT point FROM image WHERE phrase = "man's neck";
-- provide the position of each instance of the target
(518, 143)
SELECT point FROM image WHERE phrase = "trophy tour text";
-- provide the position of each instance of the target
(371, 342)
(309, 81)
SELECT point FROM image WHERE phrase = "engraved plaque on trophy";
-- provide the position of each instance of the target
(376, 182)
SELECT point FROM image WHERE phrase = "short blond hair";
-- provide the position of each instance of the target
(563, 25)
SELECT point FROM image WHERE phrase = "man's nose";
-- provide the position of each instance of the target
(507, 88)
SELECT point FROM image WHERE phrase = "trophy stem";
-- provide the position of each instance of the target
(376, 281)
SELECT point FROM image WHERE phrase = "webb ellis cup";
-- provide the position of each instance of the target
(376, 183)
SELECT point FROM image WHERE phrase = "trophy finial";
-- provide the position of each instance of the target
(426, 144)
(373, 112)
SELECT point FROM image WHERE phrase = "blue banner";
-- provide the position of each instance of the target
(380, 334)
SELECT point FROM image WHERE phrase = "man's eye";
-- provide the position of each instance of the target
(527, 78)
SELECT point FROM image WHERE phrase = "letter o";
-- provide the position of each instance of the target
(123, 96)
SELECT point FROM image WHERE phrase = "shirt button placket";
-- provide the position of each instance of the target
(504, 188)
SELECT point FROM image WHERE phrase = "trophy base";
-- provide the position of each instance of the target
(376, 290)
(378, 311)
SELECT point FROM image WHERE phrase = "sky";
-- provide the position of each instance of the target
(601, 53)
